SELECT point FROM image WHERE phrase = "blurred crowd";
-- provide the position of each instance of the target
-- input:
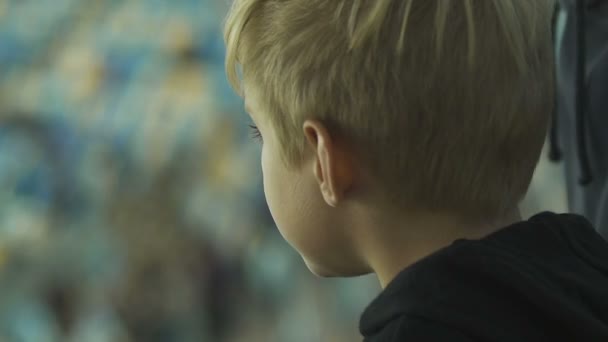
(131, 206)
(130, 199)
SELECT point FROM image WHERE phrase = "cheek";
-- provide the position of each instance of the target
(304, 220)
(267, 176)
(273, 189)
(286, 197)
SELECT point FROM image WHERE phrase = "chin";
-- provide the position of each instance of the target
(336, 272)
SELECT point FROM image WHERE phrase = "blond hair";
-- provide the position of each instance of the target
(446, 101)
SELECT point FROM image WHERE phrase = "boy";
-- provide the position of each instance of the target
(398, 138)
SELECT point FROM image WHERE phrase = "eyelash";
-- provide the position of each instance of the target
(255, 132)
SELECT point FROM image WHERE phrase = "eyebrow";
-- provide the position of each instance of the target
(248, 109)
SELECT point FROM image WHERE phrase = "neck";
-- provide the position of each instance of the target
(390, 247)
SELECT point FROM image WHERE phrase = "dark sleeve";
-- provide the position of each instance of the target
(418, 329)
(582, 130)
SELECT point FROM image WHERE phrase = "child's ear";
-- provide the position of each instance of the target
(332, 166)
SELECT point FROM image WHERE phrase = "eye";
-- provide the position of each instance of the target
(255, 133)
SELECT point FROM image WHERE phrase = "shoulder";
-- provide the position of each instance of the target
(419, 329)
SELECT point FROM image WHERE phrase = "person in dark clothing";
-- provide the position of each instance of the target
(581, 123)
(399, 137)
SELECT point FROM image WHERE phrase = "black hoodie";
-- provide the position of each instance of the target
(545, 279)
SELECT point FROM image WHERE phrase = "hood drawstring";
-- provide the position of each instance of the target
(580, 101)
(581, 94)
(555, 153)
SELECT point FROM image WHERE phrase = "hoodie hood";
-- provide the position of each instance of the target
(545, 279)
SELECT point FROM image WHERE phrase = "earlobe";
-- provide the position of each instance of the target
(330, 197)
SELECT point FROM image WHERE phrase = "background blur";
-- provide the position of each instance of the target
(131, 206)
